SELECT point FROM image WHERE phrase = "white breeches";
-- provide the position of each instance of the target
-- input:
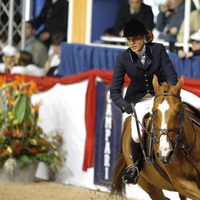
(141, 108)
(146, 104)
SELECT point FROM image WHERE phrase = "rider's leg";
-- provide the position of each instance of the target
(131, 173)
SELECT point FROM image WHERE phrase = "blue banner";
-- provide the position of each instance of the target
(107, 136)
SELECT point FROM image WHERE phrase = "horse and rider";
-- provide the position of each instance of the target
(141, 62)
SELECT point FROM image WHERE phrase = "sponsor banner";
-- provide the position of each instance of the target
(107, 135)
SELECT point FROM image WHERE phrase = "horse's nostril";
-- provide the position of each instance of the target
(169, 156)
(159, 155)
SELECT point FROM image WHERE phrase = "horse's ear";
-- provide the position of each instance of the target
(179, 84)
(155, 84)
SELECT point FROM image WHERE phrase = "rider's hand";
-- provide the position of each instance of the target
(128, 108)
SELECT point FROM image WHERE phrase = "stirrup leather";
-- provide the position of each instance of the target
(125, 177)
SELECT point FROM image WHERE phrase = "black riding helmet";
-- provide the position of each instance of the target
(133, 28)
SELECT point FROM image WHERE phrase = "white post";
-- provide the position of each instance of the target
(70, 18)
(10, 25)
(187, 25)
(89, 22)
(23, 24)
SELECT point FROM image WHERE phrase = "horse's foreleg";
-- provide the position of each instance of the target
(154, 192)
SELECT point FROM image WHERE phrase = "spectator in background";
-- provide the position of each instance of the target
(170, 19)
(194, 25)
(37, 49)
(54, 17)
(133, 9)
(8, 57)
(195, 50)
(53, 61)
(24, 65)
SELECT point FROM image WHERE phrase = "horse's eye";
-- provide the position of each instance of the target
(171, 135)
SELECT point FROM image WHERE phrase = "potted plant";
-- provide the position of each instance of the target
(22, 142)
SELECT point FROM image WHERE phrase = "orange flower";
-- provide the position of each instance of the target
(19, 81)
(32, 150)
(36, 107)
(28, 124)
(8, 132)
(3, 153)
(17, 147)
(10, 102)
(42, 141)
(2, 80)
(18, 133)
(32, 88)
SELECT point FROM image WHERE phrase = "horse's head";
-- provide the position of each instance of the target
(167, 118)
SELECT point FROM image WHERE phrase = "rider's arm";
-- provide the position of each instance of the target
(117, 85)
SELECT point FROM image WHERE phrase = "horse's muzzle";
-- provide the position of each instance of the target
(167, 159)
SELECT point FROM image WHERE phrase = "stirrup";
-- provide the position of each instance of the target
(127, 177)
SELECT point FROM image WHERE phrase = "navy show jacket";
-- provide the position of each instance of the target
(156, 62)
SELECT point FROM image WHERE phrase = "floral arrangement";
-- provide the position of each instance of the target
(22, 141)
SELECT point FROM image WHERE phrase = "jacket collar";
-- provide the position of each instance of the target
(148, 53)
(148, 57)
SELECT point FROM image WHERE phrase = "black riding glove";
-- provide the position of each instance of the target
(128, 108)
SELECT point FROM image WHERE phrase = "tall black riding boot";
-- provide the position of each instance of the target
(131, 173)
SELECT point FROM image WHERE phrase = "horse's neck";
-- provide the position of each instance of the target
(191, 134)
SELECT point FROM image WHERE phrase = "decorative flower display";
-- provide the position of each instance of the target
(21, 139)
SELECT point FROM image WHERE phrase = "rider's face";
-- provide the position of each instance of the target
(195, 45)
(136, 43)
(135, 5)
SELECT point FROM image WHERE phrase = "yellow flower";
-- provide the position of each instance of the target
(43, 148)
(9, 150)
(32, 141)
(10, 115)
(15, 122)
(56, 153)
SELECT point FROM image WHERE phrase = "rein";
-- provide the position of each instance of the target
(147, 158)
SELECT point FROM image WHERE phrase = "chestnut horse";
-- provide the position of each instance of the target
(176, 148)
